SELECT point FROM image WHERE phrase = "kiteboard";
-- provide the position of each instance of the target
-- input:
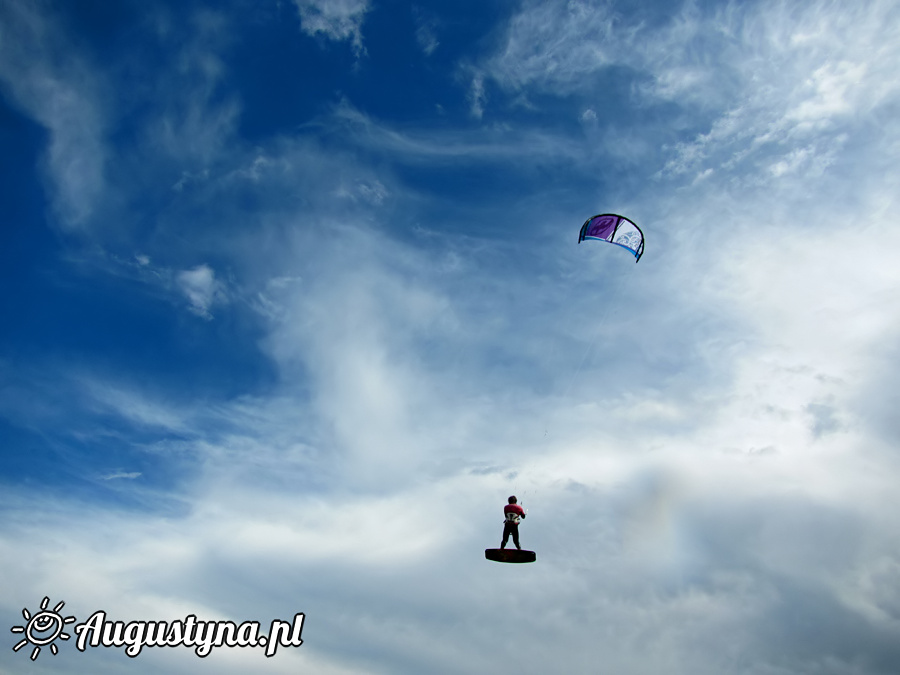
(509, 555)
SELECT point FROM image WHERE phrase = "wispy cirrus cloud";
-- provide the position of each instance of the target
(771, 85)
(714, 428)
(810, 76)
(425, 146)
(337, 20)
(194, 113)
(201, 288)
(426, 30)
(118, 475)
(66, 94)
(557, 46)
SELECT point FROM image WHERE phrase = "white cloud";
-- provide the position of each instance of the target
(787, 92)
(556, 45)
(193, 121)
(130, 404)
(201, 288)
(63, 93)
(830, 88)
(335, 19)
(429, 147)
(372, 193)
(129, 475)
(477, 96)
(767, 77)
(425, 33)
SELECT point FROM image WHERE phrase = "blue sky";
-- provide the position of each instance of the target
(292, 301)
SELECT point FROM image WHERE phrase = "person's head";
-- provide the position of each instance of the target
(512, 500)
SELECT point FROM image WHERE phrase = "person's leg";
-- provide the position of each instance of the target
(506, 530)
(515, 534)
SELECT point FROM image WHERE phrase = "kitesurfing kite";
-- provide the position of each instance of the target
(616, 230)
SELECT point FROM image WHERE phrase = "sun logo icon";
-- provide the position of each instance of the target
(43, 628)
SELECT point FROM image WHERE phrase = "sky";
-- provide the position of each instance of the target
(292, 301)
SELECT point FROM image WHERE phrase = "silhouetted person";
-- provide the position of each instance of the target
(512, 514)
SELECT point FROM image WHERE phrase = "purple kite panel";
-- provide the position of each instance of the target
(601, 227)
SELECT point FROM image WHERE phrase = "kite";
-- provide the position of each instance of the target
(616, 230)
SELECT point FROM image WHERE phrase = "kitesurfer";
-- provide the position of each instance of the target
(512, 513)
